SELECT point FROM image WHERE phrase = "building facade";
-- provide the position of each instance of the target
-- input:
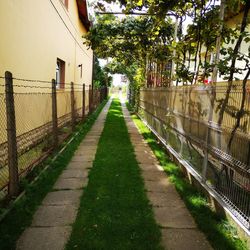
(43, 40)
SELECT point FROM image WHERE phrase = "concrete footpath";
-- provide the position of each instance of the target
(178, 228)
(52, 223)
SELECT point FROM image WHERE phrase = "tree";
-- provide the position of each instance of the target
(101, 77)
(130, 42)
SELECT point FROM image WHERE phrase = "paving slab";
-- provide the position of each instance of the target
(51, 216)
(141, 159)
(136, 139)
(91, 143)
(179, 230)
(80, 165)
(83, 147)
(85, 152)
(91, 139)
(82, 158)
(170, 199)
(174, 217)
(141, 149)
(153, 175)
(162, 186)
(44, 238)
(188, 239)
(150, 167)
(74, 173)
(70, 183)
(146, 155)
(63, 197)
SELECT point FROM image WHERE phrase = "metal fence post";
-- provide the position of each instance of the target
(90, 99)
(11, 135)
(73, 118)
(208, 135)
(54, 114)
(83, 102)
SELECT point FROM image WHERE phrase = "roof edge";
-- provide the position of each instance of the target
(83, 13)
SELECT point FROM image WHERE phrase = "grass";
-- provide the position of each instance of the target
(20, 217)
(217, 229)
(114, 212)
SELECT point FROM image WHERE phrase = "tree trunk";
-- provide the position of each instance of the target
(218, 41)
(174, 53)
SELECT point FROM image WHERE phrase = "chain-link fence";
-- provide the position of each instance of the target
(35, 117)
(188, 118)
(4, 173)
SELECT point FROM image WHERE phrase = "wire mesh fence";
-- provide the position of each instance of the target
(4, 174)
(40, 120)
(188, 118)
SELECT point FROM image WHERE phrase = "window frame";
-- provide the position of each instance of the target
(60, 73)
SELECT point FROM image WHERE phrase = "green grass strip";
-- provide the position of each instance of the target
(20, 217)
(114, 212)
(217, 229)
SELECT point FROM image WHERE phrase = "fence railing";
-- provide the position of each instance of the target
(35, 117)
(186, 118)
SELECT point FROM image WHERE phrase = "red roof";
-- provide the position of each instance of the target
(83, 13)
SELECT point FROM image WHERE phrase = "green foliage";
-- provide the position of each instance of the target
(142, 45)
(133, 39)
(129, 39)
(101, 77)
(129, 42)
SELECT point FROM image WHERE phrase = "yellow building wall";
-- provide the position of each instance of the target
(34, 34)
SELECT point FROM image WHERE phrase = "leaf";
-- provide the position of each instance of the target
(247, 39)
(140, 3)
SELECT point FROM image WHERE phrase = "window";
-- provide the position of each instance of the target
(60, 73)
(65, 3)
